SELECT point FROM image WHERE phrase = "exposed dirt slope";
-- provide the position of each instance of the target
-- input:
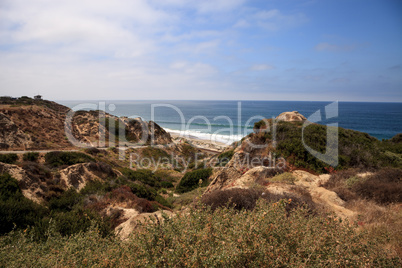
(27, 124)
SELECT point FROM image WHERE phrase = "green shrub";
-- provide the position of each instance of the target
(155, 153)
(15, 209)
(161, 200)
(8, 158)
(9, 188)
(191, 180)
(188, 151)
(79, 220)
(92, 151)
(167, 184)
(31, 156)
(143, 191)
(65, 202)
(143, 175)
(60, 158)
(352, 181)
(355, 149)
(267, 236)
(96, 187)
(224, 158)
(286, 177)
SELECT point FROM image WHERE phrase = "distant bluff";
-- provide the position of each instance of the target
(291, 117)
(29, 124)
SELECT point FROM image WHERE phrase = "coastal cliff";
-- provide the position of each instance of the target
(28, 124)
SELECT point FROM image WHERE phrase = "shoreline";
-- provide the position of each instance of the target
(198, 142)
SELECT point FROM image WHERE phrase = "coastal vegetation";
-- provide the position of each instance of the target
(267, 235)
(8, 158)
(355, 149)
(194, 179)
(73, 208)
(31, 156)
(59, 158)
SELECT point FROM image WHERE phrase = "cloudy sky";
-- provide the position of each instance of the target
(347, 50)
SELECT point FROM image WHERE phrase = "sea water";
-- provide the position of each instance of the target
(228, 121)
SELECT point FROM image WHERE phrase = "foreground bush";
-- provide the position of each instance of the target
(16, 211)
(265, 237)
(239, 199)
(382, 187)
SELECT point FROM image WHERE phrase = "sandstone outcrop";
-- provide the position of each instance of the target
(77, 176)
(29, 185)
(96, 128)
(37, 183)
(291, 117)
(134, 220)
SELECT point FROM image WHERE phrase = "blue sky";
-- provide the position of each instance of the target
(346, 50)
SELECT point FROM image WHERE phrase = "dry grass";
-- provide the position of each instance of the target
(383, 223)
(382, 187)
(267, 236)
(241, 199)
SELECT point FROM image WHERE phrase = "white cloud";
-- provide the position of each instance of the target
(241, 24)
(274, 20)
(271, 20)
(121, 29)
(268, 14)
(202, 6)
(201, 34)
(218, 5)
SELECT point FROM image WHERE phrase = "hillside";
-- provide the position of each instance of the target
(196, 208)
(28, 124)
(355, 149)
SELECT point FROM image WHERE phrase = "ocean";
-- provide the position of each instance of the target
(228, 121)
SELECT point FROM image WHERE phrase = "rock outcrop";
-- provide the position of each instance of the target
(38, 183)
(28, 185)
(148, 132)
(291, 117)
(96, 128)
(77, 176)
(134, 220)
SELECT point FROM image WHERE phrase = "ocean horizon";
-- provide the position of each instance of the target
(229, 121)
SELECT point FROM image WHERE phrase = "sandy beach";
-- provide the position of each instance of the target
(201, 143)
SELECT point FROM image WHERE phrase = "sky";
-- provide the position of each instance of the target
(307, 50)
